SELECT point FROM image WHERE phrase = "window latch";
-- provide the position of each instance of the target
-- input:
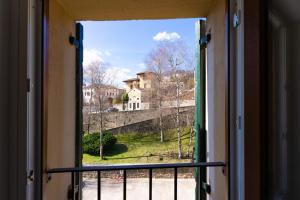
(28, 85)
(236, 19)
(30, 176)
(74, 41)
(205, 40)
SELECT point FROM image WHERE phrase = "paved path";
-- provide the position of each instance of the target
(137, 189)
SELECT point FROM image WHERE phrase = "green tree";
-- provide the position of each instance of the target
(125, 99)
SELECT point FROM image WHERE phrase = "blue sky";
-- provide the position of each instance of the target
(125, 44)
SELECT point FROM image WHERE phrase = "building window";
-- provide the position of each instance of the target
(138, 105)
(129, 105)
(88, 93)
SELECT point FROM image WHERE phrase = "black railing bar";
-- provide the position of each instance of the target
(150, 184)
(73, 185)
(135, 167)
(99, 185)
(175, 183)
(124, 184)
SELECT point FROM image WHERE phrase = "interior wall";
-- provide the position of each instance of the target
(254, 122)
(293, 109)
(13, 68)
(4, 88)
(216, 88)
(59, 101)
(138, 9)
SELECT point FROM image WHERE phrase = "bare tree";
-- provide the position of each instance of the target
(156, 63)
(99, 79)
(190, 125)
(179, 61)
(172, 59)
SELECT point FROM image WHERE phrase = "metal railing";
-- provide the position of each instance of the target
(125, 168)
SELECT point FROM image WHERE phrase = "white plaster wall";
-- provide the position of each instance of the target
(60, 105)
(86, 97)
(134, 97)
(216, 98)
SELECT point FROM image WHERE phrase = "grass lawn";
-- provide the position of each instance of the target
(144, 148)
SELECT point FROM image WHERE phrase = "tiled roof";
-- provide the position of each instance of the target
(145, 72)
(132, 79)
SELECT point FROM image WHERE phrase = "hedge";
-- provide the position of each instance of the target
(91, 142)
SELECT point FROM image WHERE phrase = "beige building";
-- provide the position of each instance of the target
(144, 80)
(139, 91)
(90, 93)
(139, 99)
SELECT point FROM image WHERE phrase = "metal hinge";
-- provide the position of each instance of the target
(236, 20)
(205, 40)
(74, 41)
(206, 187)
(239, 122)
(30, 176)
(284, 134)
(28, 85)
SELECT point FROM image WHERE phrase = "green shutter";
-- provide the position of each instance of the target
(200, 121)
(79, 103)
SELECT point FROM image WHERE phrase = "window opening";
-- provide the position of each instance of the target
(158, 83)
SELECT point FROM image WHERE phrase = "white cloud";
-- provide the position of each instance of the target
(142, 65)
(91, 55)
(165, 36)
(107, 53)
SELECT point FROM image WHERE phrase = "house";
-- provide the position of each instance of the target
(247, 53)
(135, 99)
(108, 93)
(139, 99)
(139, 91)
(144, 80)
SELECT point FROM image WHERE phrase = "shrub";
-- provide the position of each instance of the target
(109, 139)
(125, 97)
(91, 142)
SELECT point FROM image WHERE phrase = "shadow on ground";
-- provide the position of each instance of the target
(116, 149)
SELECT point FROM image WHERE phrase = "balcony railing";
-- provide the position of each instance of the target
(125, 168)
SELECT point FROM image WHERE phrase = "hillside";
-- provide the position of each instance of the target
(145, 148)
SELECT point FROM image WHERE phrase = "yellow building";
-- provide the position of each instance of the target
(139, 91)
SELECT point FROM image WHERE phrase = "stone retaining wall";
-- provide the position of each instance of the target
(137, 120)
